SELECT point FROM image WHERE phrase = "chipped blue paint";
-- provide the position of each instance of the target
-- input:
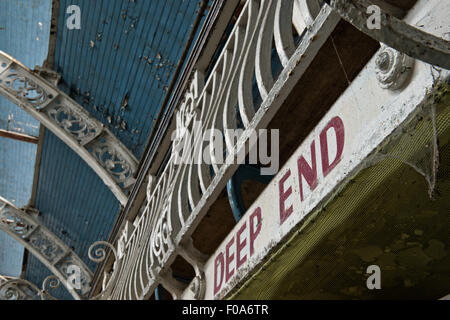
(11, 255)
(124, 49)
(24, 34)
(73, 203)
(16, 179)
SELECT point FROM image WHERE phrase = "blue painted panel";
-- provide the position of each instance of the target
(17, 161)
(24, 34)
(124, 49)
(73, 201)
(11, 256)
(16, 178)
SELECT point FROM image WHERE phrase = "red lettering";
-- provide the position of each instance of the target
(255, 232)
(338, 125)
(218, 261)
(284, 213)
(308, 172)
(228, 259)
(239, 246)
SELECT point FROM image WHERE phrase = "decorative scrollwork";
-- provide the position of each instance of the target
(53, 283)
(161, 241)
(19, 289)
(113, 160)
(187, 110)
(37, 93)
(25, 88)
(15, 223)
(227, 100)
(99, 255)
(72, 122)
(68, 266)
(46, 246)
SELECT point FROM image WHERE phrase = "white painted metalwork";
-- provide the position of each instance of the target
(396, 33)
(182, 196)
(99, 255)
(178, 201)
(393, 68)
(19, 289)
(367, 116)
(353, 129)
(45, 246)
(88, 137)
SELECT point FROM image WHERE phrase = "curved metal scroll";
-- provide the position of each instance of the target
(19, 289)
(47, 247)
(395, 33)
(99, 255)
(70, 122)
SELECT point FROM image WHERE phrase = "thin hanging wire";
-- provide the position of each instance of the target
(340, 60)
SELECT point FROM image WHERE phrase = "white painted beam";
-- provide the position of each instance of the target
(45, 246)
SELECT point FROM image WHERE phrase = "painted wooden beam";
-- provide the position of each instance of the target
(18, 136)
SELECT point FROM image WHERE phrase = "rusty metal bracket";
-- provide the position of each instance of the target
(395, 33)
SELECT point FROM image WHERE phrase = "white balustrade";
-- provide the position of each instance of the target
(177, 202)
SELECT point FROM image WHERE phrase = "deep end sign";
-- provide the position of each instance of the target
(357, 123)
(292, 188)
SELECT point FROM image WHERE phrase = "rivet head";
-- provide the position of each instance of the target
(393, 68)
(383, 61)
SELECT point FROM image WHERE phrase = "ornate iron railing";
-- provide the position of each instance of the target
(70, 122)
(177, 202)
